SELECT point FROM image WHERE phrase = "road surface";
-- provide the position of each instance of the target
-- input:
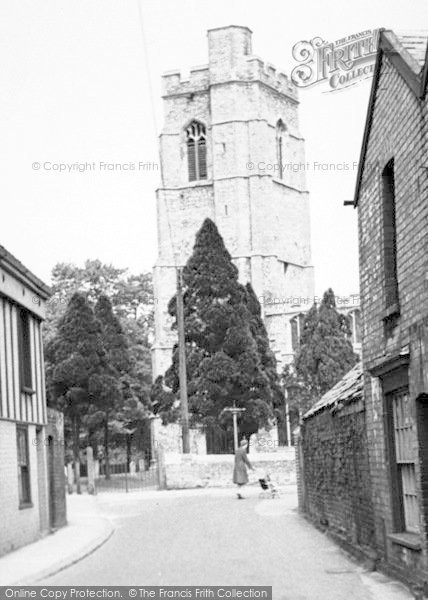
(208, 537)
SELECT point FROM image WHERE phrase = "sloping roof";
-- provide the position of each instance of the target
(348, 389)
(11, 264)
(415, 43)
(408, 54)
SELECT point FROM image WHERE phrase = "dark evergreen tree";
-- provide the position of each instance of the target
(227, 355)
(325, 354)
(131, 297)
(334, 354)
(106, 387)
(76, 358)
(118, 395)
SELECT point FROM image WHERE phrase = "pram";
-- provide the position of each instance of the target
(269, 488)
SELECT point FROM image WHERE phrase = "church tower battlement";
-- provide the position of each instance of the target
(228, 149)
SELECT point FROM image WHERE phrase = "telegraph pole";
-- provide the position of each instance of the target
(182, 375)
(287, 417)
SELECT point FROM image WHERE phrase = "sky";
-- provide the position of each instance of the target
(81, 83)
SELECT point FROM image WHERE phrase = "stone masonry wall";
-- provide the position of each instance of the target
(216, 470)
(263, 219)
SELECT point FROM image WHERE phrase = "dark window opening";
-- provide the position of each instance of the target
(23, 466)
(24, 349)
(280, 132)
(389, 238)
(196, 151)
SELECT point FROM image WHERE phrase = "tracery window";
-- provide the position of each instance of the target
(196, 141)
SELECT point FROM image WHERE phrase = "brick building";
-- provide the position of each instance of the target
(363, 449)
(228, 135)
(32, 494)
(392, 199)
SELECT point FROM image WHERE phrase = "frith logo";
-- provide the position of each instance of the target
(342, 63)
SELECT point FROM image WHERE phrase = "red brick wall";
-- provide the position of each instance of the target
(334, 480)
(398, 130)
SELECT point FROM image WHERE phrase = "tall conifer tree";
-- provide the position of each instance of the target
(227, 351)
(325, 354)
(77, 357)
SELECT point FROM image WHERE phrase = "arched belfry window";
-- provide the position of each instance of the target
(296, 331)
(196, 140)
(280, 138)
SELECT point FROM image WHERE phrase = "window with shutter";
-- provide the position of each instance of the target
(404, 445)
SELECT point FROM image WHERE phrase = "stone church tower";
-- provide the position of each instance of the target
(231, 150)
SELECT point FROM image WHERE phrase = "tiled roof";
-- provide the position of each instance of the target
(415, 42)
(407, 51)
(348, 389)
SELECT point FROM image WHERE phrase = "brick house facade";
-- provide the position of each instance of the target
(32, 496)
(392, 199)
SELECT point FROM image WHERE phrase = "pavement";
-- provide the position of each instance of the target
(86, 531)
(196, 537)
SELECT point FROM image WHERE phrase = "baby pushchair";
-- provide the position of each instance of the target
(269, 488)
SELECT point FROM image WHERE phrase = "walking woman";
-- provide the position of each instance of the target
(240, 475)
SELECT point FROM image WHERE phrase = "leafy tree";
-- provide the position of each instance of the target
(227, 354)
(76, 358)
(130, 295)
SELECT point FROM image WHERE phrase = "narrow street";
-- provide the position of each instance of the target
(208, 537)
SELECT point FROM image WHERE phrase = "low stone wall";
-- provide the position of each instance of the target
(168, 438)
(215, 470)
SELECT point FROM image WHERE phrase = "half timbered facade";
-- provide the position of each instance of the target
(24, 477)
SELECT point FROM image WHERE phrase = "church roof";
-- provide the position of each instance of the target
(348, 389)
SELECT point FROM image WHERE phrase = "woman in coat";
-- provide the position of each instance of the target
(240, 475)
